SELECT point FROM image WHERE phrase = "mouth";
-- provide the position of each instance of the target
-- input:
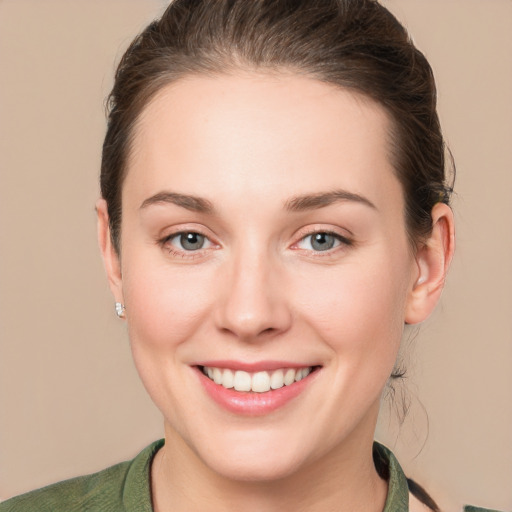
(255, 393)
(257, 382)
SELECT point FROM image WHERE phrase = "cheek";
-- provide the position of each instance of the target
(359, 311)
(165, 305)
(165, 308)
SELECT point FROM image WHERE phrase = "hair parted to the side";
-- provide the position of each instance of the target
(353, 44)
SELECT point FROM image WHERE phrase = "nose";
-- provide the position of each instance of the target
(253, 303)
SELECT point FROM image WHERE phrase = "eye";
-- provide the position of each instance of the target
(189, 241)
(322, 241)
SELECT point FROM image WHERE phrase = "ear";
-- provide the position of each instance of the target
(108, 252)
(433, 259)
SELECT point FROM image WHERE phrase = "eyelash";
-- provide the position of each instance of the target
(190, 254)
(343, 242)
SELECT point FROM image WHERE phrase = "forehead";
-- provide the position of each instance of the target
(261, 135)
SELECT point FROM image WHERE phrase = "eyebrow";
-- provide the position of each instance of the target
(295, 204)
(192, 203)
(323, 199)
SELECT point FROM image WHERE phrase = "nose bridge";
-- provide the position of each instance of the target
(254, 300)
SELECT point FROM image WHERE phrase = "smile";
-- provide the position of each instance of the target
(256, 390)
(257, 382)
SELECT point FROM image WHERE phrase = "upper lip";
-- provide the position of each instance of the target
(257, 366)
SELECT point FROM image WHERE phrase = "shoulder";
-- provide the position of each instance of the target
(404, 493)
(115, 488)
(97, 491)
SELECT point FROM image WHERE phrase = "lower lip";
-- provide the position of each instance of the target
(251, 403)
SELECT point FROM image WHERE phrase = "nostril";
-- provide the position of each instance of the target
(251, 309)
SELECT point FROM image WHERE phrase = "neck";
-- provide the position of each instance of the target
(343, 479)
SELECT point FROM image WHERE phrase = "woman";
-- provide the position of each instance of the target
(274, 210)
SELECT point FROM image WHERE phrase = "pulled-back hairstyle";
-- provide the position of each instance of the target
(354, 44)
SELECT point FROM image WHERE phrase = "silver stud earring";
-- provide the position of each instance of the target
(120, 309)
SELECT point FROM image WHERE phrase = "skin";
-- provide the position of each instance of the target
(250, 144)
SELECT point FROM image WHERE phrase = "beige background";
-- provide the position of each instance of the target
(70, 400)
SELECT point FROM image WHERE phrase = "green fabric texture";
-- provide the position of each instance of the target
(469, 508)
(126, 487)
(398, 490)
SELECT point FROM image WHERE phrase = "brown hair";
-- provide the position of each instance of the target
(354, 44)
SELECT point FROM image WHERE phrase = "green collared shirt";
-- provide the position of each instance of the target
(126, 487)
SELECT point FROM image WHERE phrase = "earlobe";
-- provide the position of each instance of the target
(108, 252)
(433, 260)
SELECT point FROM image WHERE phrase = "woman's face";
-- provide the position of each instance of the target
(263, 233)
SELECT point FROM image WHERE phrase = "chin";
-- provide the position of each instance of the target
(261, 469)
(257, 455)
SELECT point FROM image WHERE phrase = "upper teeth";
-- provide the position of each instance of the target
(259, 382)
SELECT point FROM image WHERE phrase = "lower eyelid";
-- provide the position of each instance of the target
(169, 244)
(166, 242)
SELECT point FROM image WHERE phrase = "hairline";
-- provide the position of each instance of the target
(235, 66)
